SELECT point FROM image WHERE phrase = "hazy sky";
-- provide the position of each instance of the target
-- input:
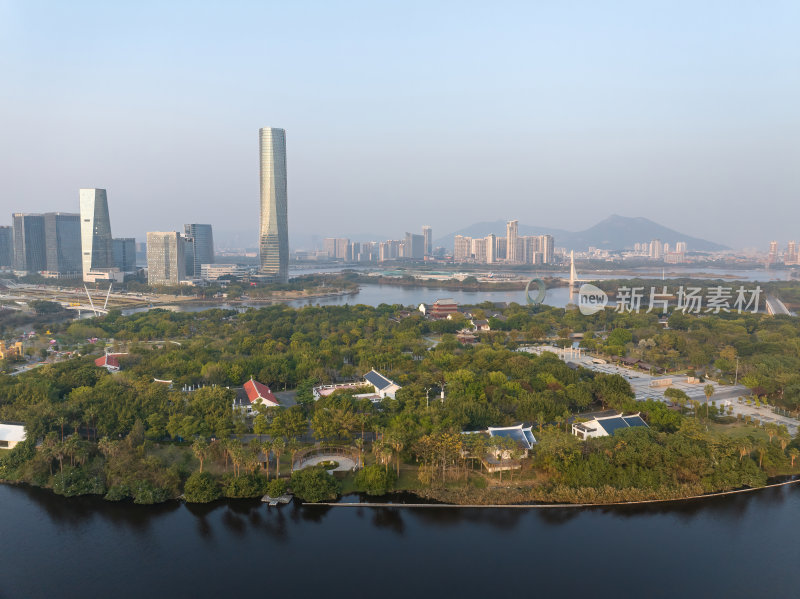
(400, 114)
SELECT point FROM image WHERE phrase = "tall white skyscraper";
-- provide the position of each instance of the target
(274, 232)
(491, 248)
(511, 243)
(97, 250)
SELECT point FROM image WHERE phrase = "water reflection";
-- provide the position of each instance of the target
(242, 516)
(190, 550)
(76, 512)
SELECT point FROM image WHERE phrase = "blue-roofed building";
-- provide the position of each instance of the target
(499, 457)
(521, 434)
(605, 426)
(383, 386)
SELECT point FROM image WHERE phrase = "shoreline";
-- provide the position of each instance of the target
(556, 505)
(433, 504)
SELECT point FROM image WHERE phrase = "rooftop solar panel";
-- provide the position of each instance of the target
(376, 379)
(611, 425)
(634, 421)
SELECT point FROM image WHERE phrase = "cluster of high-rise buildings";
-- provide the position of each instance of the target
(173, 258)
(411, 247)
(80, 245)
(789, 256)
(66, 245)
(661, 252)
(511, 249)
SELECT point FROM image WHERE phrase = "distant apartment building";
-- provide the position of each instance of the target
(62, 232)
(427, 234)
(414, 247)
(656, 249)
(202, 248)
(462, 248)
(547, 248)
(367, 252)
(511, 241)
(390, 250)
(479, 250)
(680, 247)
(166, 263)
(502, 248)
(339, 248)
(6, 247)
(772, 257)
(491, 249)
(30, 252)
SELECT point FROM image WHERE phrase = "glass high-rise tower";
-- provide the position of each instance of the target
(202, 248)
(273, 243)
(96, 245)
(29, 243)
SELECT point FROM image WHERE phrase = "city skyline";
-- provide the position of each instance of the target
(683, 119)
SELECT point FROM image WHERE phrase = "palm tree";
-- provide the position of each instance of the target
(278, 445)
(784, 438)
(293, 446)
(48, 451)
(60, 453)
(237, 455)
(386, 457)
(396, 442)
(200, 449)
(91, 415)
(744, 448)
(709, 391)
(266, 447)
(761, 447)
(793, 453)
(108, 447)
(61, 421)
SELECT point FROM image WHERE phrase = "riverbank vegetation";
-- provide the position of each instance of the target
(130, 435)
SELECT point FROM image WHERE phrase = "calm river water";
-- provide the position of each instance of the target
(373, 295)
(740, 546)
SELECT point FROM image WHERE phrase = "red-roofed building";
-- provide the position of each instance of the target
(253, 395)
(109, 362)
(442, 308)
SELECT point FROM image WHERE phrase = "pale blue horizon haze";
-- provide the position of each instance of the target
(399, 115)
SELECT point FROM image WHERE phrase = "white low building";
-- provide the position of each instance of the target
(383, 386)
(325, 390)
(11, 433)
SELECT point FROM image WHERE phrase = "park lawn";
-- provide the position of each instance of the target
(737, 430)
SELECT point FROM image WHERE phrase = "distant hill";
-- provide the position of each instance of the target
(614, 233)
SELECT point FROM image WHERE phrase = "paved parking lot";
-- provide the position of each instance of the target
(642, 385)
